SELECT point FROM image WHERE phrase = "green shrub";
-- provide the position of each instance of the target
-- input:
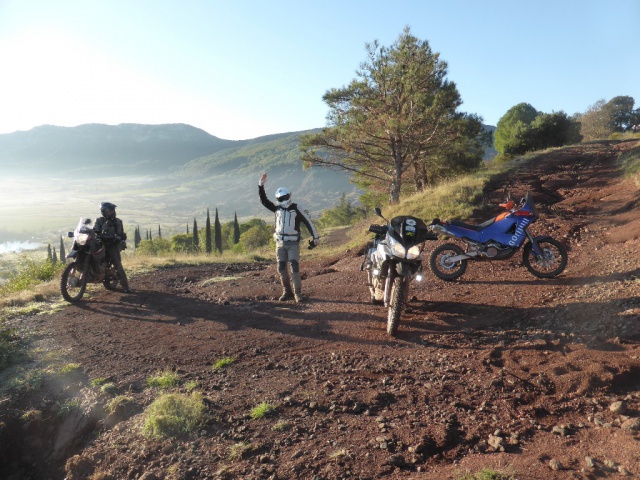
(30, 272)
(166, 379)
(262, 410)
(9, 347)
(223, 362)
(174, 414)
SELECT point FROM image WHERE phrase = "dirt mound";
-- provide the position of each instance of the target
(537, 378)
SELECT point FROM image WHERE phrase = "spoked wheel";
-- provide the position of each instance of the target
(552, 261)
(441, 263)
(395, 305)
(111, 279)
(73, 282)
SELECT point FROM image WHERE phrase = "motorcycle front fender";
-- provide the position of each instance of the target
(407, 269)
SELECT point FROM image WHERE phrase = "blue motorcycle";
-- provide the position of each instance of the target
(498, 239)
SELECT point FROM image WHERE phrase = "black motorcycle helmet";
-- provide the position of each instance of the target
(108, 210)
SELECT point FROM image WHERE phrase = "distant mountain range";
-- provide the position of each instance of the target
(182, 170)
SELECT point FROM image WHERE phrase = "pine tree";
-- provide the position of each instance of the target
(62, 252)
(196, 240)
(218, 233)
(49, 252)
(207, 234)
(236, 229)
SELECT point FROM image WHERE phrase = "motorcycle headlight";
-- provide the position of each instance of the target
(414, 252)
(396, 247)
(82, 238)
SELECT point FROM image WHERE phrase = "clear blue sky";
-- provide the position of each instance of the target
(242, 69)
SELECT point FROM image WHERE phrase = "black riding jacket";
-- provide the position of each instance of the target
(287, 221)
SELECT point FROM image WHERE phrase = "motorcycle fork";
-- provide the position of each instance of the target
(536, 248)
(388, 283)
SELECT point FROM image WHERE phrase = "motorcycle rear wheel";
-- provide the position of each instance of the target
(395, 306)
(442, 267)
(551, 263)
(110, 282)
(73, 283)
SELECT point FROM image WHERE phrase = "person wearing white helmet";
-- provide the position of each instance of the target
(288, 218)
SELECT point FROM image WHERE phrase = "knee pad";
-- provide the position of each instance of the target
(282, 266)
(295, 266)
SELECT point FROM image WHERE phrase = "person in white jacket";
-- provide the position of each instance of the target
(288, 218)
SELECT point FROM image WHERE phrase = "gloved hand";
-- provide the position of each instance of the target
(263, 179)
(313, 243)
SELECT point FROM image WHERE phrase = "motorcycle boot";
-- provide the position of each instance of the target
(297, 287)
(287, 294)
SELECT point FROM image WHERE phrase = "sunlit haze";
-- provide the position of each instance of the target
(245, 69)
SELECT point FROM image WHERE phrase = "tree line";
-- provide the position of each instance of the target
(397, 128)
(213, 238)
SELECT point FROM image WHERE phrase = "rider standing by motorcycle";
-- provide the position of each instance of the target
(287, 237)
(110, 230)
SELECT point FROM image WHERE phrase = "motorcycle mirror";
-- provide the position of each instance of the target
(378, 211)
(70, 234)
(87, 221)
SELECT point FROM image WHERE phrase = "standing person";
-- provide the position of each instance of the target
(110, 230)
(287, 237)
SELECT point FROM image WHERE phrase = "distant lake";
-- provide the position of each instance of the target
(15, 247)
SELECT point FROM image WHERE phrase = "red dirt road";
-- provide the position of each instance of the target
(536, 378)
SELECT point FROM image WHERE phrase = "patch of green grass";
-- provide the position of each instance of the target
(98, 382)
(27, 381)
(166, 379)
(223, 362)
(31, 272)
(121, 403)
(630, 162)
(281, 426)
(239, 450)
(10, 345)
(261, 410)
(174, 414)
(191, 386)
(486, 474)
(109, 388)
(67, 407)
(214, 280)
(69, 369)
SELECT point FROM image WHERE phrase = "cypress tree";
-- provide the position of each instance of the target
(136, 237)
(49, 252)
(62, 252)
(150, 236)
(218, 233)
(187, 229)
(196, 240)
(207, 234)
(159, 232)
(236, 229)
(54, 258)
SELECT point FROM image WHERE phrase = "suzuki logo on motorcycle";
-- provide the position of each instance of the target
(519, 232)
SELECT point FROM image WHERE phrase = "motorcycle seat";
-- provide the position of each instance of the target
(469, 226)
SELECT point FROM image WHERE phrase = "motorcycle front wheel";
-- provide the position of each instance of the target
(395, 305)
(73, 283)
(443, 267)
(552, 261)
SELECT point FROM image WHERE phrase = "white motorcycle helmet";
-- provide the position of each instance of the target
(283, 197)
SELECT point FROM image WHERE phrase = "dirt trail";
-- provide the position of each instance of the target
(538, 378)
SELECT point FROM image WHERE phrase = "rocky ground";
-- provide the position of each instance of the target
(539, 379)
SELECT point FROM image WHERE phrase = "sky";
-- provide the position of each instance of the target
(243, 69)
